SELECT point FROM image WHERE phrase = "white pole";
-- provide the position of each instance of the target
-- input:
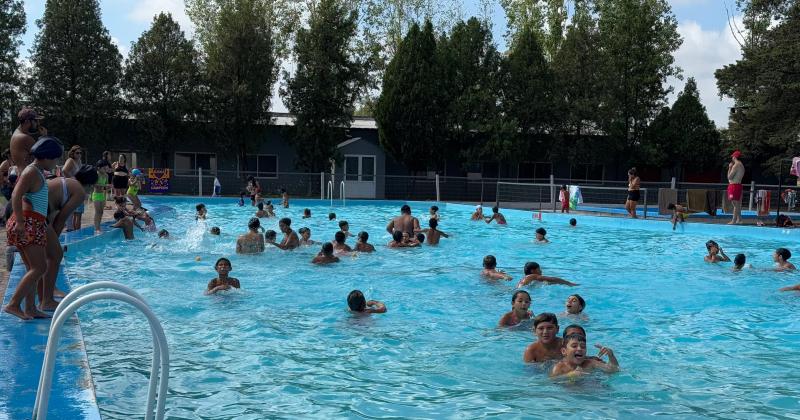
(752, 194)
(322, 185)
(553, 190)
(672, 185)
(438, 197)
(199, 181)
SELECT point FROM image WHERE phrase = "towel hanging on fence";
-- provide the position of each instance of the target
(713, 201)
(697, 200)
(575, 196)
(665, 197)
(763, 197)
(795, 169)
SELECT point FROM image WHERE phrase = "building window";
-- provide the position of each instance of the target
(262, 166)
(359, 168)
(186, 163)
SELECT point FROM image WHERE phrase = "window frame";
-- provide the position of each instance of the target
(179, 172)
(360, 166)
(257, 173)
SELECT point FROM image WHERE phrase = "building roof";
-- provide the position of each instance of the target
(286, 119)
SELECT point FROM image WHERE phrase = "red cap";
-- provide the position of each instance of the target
(736, 154)
(28, 113)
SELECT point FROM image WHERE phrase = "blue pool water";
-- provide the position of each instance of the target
(693, 339)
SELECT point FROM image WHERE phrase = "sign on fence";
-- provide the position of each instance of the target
(158, 180)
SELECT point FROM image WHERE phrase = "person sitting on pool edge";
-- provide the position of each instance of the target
(520, 302)
(575, 304)
(490, 269)
(573, 222)
(575, 362)
(260, 212)
(290, 239)
(540, 236)
(496, 215)
(434, 234)
(305, 236)
(547, 345)
(533, 272)
(251, 242)
(361, 243)
(715, 253)
(781, 257)
(325, 256)
(679, 213)
(339, 246)
(357, 303)
(202, 212)
(344, 227)
(222, 281)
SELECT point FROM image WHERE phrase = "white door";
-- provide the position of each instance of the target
(359, 176)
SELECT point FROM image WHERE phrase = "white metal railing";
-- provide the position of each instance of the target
(341, 192)
(330, 191)
(159, 372)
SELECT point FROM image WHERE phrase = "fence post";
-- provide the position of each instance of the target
(672, 184)
(438, 197)
(199, 181)
(322, 185)
(553, 191)
(645, 201)
(752, 195)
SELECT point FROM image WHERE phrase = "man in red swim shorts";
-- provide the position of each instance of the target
(735, 175)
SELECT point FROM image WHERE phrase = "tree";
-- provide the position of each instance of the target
(409, 112)
(321, 93)
(240, 64)
(161, 81)
(765, 85)
(12, 26)
(545, 18)
(76, 70)
(638, 39)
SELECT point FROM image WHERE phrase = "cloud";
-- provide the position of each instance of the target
(145, 10)
(123, 49)
(702, 53)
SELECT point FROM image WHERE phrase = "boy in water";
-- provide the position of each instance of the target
(490, 269)
(477, 214)
(345, 228)
(575, 304)
(202, 212)
(361, 243)
(270, 236)
(533, 272)
(356, 302)
(325, 256)
(306, 213)
(331, 216)
(548, 344)
(739, 262)
(338, 243)
(215, 231)
(260, 212)
(573, 222)
(397, 240)
(284, 198)
(126, 224)
(520, 302)
(419, 239)
(540, 236)
(270, 209)
(222, 281)
(781, 257)
(679, 213)
(305, 236)
(575, 361)
(434, 234)
(715, 253)
(435, 213)
(163, 234)
(496, 215)
(290, 239)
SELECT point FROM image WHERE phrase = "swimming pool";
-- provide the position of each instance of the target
(693, 339)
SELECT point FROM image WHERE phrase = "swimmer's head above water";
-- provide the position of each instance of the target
(339, 237)
(397, 236)
(356, 301)
(331, 216)
(540, 234)
(270, 235)
(254, 224)
(575, 304)
(420, 237)
(163, 233)
(489, 262)
(215, 230)
(739, 261)
(433, 223)
(532, 268)
(363, 236)
(574, 329)
(405, 209)
(573, 222)
(327, 249)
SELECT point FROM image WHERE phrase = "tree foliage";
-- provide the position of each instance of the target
(547, 19)
(76, 71)
(12, 26)
(321, 92)
(161, 81)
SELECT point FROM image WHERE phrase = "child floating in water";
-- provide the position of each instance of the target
(331, 216)
(356, 302)
(215, 231)
(575, 304)
(715, 253)
(541, 236)
(533, 272)
(202, 212)
(548, 344)
(520, 302)
(305, 236)
(344, 227)
(490, 269)
(163, 233)
(679, 213)
(306, 213)
(435, 213)
(496, 215)
(222, 281)
(573, 222)
(326, 255)
(261, 212)
(361, 243)
(739, 262)
(781, 257)
(575, 361)
(434, 234)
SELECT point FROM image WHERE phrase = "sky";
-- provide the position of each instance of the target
(703, 24)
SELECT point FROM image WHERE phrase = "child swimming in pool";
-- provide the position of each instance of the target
(338, 243)
(325, 256)
(739, 262)
(490, 269)
(345, 228)
(715, 253)
(361, 243)
(222, 281)
(306, 213)
(520, 302)
(496, 215)
(575, 304)
(541, 236)
(357, 303)
(261, 212)
(575, 361)
(202, 212)
(434, 212)
(781, 257)
(533, 272)
(679, 213)
(215, 231)
(548, 344)
(305, 236)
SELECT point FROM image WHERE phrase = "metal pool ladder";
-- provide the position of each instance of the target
(159, 372)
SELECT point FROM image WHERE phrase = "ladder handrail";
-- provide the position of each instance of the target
(330, 191)
(341, 192)
(159, 346)
(74, 295)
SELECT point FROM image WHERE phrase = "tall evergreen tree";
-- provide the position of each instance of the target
(76, 70)
(240, 65)
(638, 39)
(321, 92)
(161, 81)
(546, 18)
(409, 112)
(12, 26)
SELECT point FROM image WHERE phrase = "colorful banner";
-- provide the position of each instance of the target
(158, 180)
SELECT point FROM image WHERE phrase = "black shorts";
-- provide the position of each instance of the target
(634, 195)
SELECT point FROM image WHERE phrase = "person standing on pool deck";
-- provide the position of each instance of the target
(27, 227)
(23, 138)
(119, 181)
(222, 281)
(290, 239)
(634, 194)
(735, 175)
(404, 223)
(520, 302)
(533, 272)
(496, 215)
(548, 344)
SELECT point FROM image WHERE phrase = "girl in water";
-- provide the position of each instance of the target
(520, 302)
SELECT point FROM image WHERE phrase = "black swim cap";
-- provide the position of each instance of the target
(87, 175)
(47, 148)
